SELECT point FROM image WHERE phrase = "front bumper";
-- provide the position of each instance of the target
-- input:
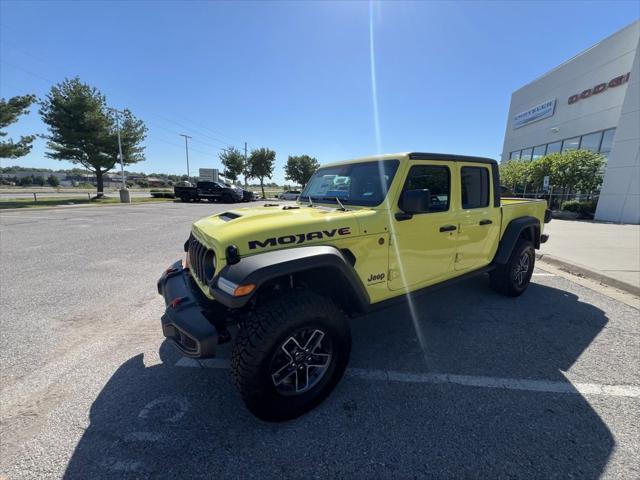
(187, 319)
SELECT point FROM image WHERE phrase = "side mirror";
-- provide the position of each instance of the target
(416, 201)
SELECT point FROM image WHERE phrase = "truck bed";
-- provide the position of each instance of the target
(521, 207)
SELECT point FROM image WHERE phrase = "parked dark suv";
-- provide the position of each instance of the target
(212, 191)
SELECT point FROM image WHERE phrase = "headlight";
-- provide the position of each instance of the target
(233, 254)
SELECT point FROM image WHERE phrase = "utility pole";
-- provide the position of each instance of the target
(118, 112)
(245, 165)
(186, 149)
(124, 194)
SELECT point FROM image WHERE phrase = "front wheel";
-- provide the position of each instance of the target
(289, 355)
(513, 278)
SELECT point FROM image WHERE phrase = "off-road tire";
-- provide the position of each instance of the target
(509, 279)
(260, 338)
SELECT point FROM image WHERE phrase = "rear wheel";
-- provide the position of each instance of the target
(290, 354)
(513, 278)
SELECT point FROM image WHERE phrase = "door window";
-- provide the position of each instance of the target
(437, 179)
(475, 187)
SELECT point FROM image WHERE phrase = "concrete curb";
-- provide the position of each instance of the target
(583, 271)
(71, 207)
(137, 204)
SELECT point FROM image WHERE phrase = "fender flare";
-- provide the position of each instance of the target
(512, 234)
(263, 267)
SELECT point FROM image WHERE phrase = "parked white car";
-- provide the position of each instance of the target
(290, 195)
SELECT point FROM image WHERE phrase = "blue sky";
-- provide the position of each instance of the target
(296, 77)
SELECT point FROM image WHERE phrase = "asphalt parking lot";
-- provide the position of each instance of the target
(546, 385)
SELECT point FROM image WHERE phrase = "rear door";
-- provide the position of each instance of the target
(478, 220)
(209, 189)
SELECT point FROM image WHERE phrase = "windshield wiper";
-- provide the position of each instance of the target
(310, 201)
(341, 205)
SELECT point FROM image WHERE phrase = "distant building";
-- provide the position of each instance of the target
(156, 182)
(591, 102)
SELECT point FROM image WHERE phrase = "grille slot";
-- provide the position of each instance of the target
(201, 260)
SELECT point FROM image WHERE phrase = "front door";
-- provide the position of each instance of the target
(478, 219)
(423, 247)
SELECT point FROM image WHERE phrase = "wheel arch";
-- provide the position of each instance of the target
(523, 227)
(323, 268)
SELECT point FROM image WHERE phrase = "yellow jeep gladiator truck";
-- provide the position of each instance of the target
(363, 234)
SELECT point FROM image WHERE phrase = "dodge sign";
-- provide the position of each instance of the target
(601, 87)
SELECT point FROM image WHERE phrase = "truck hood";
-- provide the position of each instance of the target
(258, 229)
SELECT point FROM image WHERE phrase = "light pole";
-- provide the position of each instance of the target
(186, 149)
(124, 193)
(245, 165)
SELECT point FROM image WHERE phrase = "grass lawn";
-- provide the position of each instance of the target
(53, 202)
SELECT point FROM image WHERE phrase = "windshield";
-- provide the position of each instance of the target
(364, 183)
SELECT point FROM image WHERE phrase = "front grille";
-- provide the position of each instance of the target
(202, 261)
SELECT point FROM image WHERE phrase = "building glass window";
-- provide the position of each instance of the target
(554, 147)
(539, 151)
(591, 141)
(514, 155)
(607, 140)
(526, 154)
(571, 144)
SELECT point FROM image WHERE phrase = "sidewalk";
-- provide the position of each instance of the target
(609, 253)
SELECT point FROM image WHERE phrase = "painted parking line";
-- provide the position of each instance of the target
(545, 386)
(543, 274)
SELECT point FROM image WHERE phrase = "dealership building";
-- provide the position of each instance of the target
(590, 102)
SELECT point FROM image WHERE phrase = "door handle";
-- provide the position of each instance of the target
(486, 221)
(448, 228)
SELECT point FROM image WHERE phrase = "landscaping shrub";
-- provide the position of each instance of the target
(585, 209)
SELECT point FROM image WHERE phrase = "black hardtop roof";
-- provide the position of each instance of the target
(446, 157)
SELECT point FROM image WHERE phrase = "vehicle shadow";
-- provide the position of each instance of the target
(171, 422)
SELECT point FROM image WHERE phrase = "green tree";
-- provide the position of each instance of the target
(9, 112)
(53, 180)
(39, 180)
(515, 173)
(591, 168)
(233, 161)
(300, 168)
(261, 163)
(538, 169)
(83, 131)
(26, 181)
(569, 171)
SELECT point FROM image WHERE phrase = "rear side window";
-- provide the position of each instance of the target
(475, 187)
(435, 178)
